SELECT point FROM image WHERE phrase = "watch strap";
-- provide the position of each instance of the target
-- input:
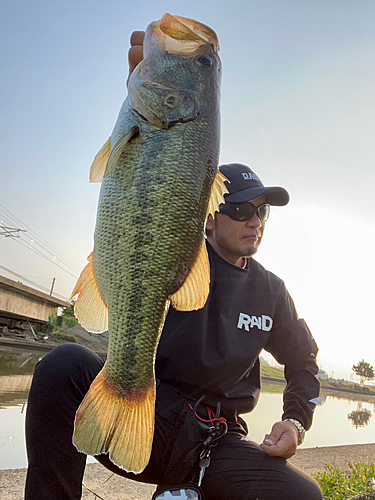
(300, 428)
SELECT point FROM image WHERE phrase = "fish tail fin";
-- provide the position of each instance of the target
(110, 421)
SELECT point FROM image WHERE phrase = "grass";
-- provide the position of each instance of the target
(341, 485)
(345, 386)
(56, 324)
(270, 371)
(93, 492)
(335, 483)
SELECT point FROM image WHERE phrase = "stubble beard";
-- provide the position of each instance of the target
(252, 249)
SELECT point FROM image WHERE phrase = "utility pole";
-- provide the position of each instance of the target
(10, 232)
(53, 284)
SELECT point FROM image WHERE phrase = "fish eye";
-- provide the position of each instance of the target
(204, 61)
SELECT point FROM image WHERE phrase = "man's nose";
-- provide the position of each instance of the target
(254, 221)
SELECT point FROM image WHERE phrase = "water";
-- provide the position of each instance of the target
(16, 369)
(331, 427)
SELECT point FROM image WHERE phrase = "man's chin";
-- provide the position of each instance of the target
(250, 251)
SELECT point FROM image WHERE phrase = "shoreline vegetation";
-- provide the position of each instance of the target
(272, 374)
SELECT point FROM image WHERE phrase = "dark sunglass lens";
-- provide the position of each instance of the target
(244, 211)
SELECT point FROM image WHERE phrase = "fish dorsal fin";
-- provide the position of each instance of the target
(118, 149)
(90, 309)
(100, 162)
(194, 292)
(217, 193)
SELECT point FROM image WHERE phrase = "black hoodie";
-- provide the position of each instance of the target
(215, 351)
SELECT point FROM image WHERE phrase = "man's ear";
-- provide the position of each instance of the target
(210, 223)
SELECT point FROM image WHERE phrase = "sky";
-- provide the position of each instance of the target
(298, 106)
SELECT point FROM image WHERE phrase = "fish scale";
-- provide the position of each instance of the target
(159, 182)
(145, 315)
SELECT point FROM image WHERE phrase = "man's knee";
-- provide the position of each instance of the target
(65, 367)
(69, 358)
(303, 486)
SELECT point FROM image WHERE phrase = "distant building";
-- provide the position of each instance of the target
(322, 375)
(21, 302)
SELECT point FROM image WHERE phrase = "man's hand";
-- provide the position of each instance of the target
(135, 54)
(282, 441)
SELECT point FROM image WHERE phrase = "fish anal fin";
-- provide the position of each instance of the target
(192, 295)
(90, 309)
(217, 193)
(100, 162)
(118, 150)
(109, 422)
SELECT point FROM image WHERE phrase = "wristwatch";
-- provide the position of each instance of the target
(300, 427)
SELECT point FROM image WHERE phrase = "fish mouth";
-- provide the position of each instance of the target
(179, 35)
(149, 117)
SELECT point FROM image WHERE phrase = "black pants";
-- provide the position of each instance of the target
(239, 469)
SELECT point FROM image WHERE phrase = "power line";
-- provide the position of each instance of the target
(25, 279)
(28, 245)
(46, 248)
(38, 252)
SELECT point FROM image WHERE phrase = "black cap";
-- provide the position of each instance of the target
(245, 185)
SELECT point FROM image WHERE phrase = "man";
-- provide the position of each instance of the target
(207, 362)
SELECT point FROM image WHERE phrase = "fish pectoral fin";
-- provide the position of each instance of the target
(217, 193)
(100, 162)
(90, 309)
(107, 421)
(194, 292)
(118, 150)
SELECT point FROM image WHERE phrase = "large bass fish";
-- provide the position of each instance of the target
(159, 183)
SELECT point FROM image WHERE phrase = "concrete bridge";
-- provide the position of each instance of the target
(21, 302)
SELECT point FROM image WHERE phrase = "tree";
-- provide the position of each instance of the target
(364, 371)
(69, 311)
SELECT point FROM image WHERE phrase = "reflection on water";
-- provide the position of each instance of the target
(16, 372)
(332, 424)
(340, 418)
(360, 417)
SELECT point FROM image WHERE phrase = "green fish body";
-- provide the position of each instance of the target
(160, 181)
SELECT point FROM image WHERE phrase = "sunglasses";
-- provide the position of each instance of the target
(245, 211)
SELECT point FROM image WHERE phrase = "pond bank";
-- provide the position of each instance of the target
(98, 343)
(311, 460)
